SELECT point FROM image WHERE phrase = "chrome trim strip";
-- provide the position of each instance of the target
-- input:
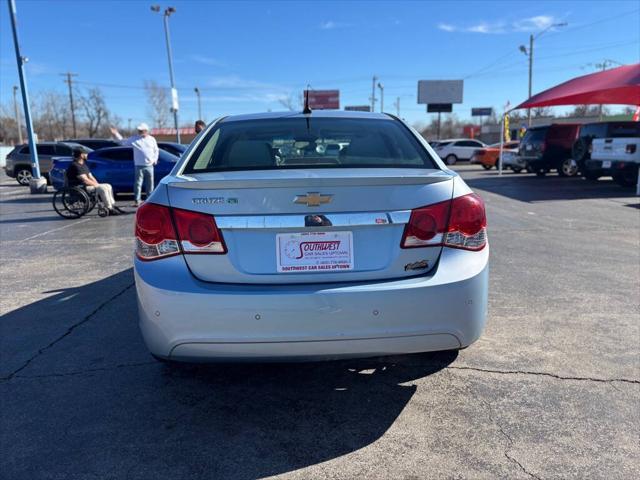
(315, 220)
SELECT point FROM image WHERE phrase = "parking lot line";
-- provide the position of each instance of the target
(54, 230)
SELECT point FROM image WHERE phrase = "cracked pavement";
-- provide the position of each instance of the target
(552, 389)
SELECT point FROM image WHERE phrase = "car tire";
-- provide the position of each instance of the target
(23, 175)
(451, 159)
(516, 169)
(568, 168)
(486, 167)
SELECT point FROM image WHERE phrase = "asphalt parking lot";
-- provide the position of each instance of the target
(551, 390)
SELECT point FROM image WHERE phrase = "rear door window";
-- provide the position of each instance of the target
(45, 149)
(286, 143)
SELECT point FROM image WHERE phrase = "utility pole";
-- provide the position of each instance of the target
(174, 92)
(606, 63)
(17, 112)
(37, 183)
(373, 94)
(197, 90)
(529, 53)
(381, 87)
(69, 82)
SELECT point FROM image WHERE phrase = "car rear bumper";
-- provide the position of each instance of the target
(185, 319)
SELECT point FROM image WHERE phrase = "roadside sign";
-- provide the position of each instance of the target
(440, 91)
(439, 107)
(481, 112)
(358, 108)
(323, 99)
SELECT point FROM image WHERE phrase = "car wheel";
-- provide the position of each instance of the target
(451, 159)
(568, 168)
(516, 169)
(23, 175)
(486, 167)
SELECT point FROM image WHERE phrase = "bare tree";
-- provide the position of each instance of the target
(8, 127)
(159, 107)
(539, 112)
(51, 115)
(95, 111)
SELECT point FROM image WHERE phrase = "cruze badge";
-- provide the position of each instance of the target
(213, 200)
(312, 199)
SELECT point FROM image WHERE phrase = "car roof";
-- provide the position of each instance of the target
(312, 115)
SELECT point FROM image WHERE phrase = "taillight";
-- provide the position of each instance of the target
(198, 232)
(157, 237)
(426, 226)
(458, 223)
(630, 148)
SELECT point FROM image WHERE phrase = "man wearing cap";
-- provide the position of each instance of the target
(78, 174)
(145, 156)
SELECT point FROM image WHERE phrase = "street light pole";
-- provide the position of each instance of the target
(373, 94)
(38, 184)
(17, 112)
(529, 53)
(381, 87)
(174, 92)
(197, 90)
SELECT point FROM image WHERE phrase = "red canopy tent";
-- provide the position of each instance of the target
(619, 86)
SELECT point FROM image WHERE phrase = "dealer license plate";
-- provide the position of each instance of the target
(314, 252)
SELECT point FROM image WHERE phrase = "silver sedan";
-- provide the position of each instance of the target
(310, 236)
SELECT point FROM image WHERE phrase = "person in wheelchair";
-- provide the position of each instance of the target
(78, 174)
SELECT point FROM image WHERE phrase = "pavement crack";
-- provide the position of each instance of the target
(545, 374)
(67, 333)
(510, 441)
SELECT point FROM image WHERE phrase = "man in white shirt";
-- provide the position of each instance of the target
(145, 156)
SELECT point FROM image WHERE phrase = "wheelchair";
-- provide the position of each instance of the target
(75, 202)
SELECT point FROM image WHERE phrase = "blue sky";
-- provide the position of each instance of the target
(244, 56)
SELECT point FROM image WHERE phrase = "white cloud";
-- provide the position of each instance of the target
(332, 25)
(447, 27)
(205, 60)
(539, 22)
(529, 24)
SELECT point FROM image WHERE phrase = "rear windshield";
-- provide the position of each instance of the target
(308, 143)
(535, 135)
(631, 129)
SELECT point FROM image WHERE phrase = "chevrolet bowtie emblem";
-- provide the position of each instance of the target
(312, 199)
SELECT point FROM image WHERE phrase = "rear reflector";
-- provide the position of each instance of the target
(157, 237)
(458, 223)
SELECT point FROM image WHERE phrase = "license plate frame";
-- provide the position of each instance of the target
(606, 164)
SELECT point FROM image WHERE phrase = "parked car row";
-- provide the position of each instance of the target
(592, 150)
(18, 161)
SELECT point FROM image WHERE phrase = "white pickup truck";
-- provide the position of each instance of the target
(618, 157)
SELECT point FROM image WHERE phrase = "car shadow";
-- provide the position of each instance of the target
(97, 389)
(530, 188)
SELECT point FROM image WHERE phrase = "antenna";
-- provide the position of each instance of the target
(306, 109)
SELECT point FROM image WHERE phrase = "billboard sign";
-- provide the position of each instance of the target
(440, 91)
(323, 99)
(358, 108)
(481, 112)
(439, 107)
